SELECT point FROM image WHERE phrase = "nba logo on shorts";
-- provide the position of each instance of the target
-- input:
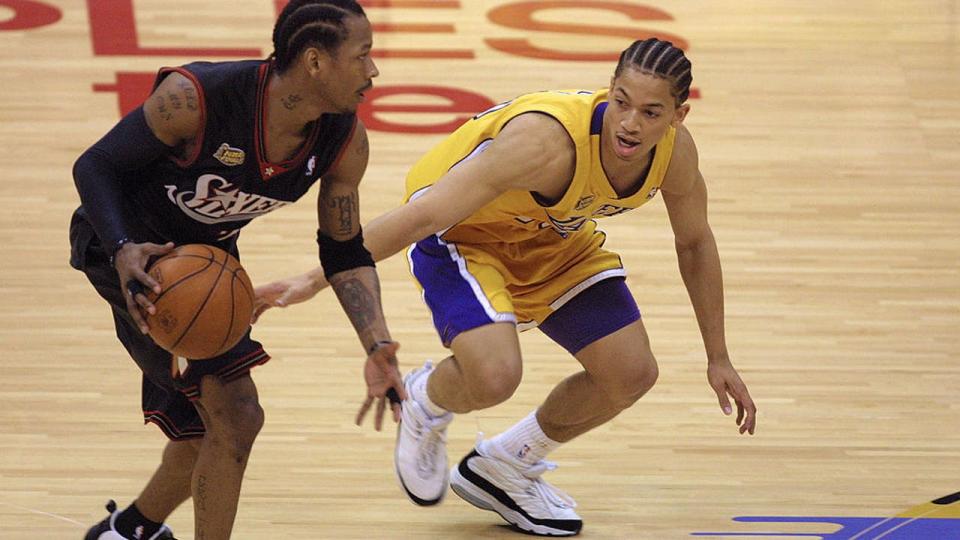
(523, 451)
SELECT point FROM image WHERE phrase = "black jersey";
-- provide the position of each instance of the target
(207, 197)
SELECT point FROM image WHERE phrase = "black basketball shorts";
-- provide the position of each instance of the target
(170, 384)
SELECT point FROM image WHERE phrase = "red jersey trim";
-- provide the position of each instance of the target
(268, 169)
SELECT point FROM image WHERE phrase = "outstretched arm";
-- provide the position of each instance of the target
(685, 195)
(532, 153)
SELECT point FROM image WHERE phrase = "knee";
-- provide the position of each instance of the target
(233, 420)
(634, 378)
(246, 418)
(495, 383)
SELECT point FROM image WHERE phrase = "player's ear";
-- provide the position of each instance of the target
(316, 61)
(680, 114)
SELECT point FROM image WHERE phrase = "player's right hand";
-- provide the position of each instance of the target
(285, 292)
(130, 262)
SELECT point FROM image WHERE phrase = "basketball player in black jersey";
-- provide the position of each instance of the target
(214, 146)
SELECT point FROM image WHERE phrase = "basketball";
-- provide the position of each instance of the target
(205, 304)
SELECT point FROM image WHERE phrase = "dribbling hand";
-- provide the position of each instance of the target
(384, 383)
(130, 261)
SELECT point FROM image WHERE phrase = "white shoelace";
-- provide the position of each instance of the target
(436, 433)
(548, 491)
(544, 489)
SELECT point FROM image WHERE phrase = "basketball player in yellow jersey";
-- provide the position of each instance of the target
(500, 216)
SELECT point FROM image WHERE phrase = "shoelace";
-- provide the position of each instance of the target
(435, 434)
(548, 491)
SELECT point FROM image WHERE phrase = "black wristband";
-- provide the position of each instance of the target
(336, 257)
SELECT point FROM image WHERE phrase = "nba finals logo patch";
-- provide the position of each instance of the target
(230, 156)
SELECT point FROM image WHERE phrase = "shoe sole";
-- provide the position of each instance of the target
(483, 500)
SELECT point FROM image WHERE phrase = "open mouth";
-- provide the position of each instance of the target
(627, 142)
(627, 147)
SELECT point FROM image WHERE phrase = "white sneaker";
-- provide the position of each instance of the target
(519, 495)
(420, 457)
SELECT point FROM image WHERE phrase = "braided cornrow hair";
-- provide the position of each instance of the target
(658, 57)
(305, 23)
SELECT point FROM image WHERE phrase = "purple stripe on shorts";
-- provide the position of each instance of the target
(598, 311)
(448, 294)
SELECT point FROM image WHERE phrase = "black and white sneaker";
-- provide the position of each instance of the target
(105, 529)
(519, 495)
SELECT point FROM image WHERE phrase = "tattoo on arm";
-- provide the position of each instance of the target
(346, 206)
(290, 102)
(190, 94)
(175, 101)
(162, 108)
(360, 306)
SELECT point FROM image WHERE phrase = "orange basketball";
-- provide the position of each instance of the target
(205, 304)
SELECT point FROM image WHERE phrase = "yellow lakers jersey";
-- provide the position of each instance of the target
(516, 216)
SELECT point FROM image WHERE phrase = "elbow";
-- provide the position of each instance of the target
(81, 165)
(88, 166)
(425, 224)
(687, 247)
(694, 243)
(84, 171)
(430, 227)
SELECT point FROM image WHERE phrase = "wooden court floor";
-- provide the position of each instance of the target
(829, 136)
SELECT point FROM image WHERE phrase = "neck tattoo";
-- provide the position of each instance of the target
(290, 102)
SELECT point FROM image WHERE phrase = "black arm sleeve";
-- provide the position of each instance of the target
(336, 257)
(98, 174)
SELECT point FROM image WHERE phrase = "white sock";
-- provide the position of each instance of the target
(526, 442)
(419, 391)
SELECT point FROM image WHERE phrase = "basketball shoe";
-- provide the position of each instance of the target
(488, 479)
(420, 456)
(105, 529)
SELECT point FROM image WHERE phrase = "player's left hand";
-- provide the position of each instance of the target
(384, 383)
(285, 292)
(725, 381)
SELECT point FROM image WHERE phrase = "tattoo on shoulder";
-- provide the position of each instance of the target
(290, 102)
(165, 113)
(175, 100)
(189, 95)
